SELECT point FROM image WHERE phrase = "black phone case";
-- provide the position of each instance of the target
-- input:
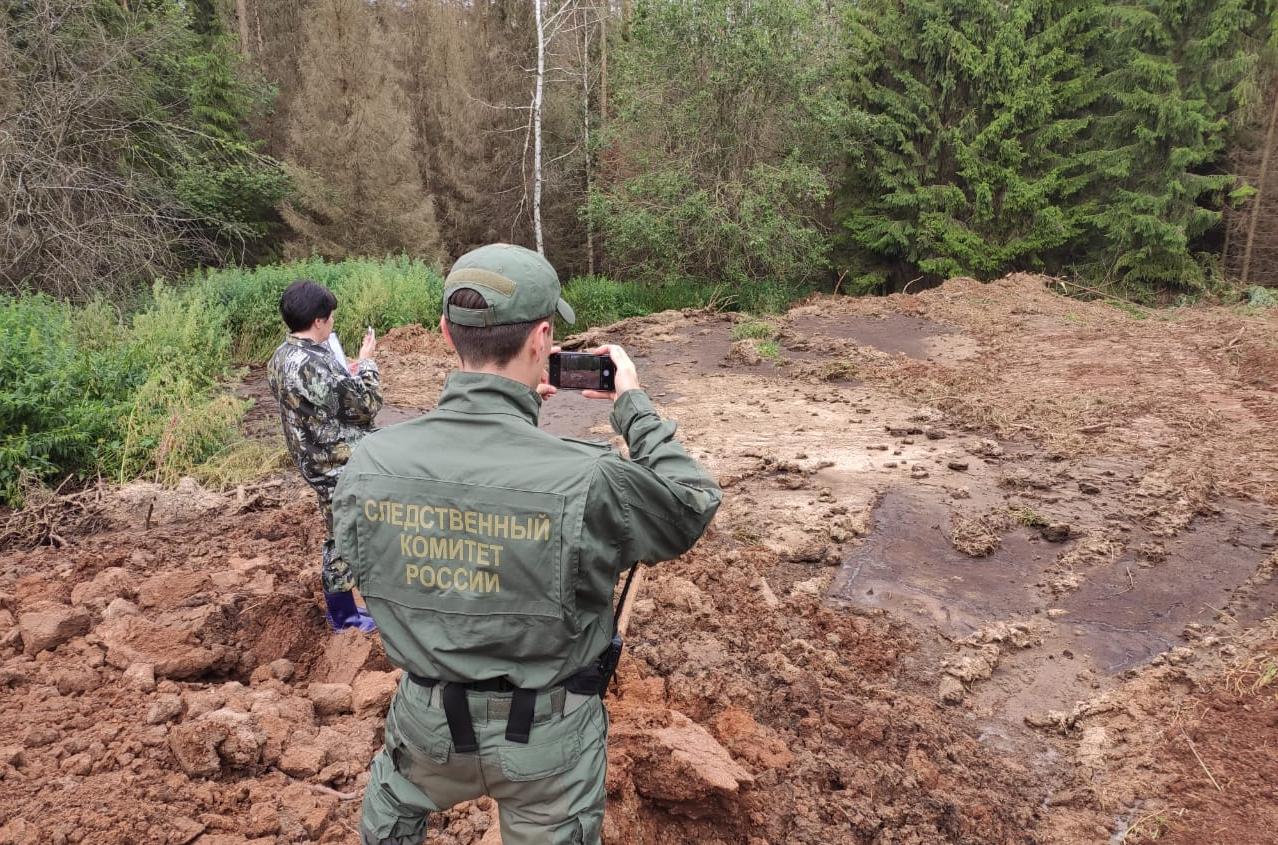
(607, 376)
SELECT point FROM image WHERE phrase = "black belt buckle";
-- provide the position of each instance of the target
(492, 685)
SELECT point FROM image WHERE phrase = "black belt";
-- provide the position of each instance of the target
(523, 703)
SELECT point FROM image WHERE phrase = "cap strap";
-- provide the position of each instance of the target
(485, 278)
(479, 317)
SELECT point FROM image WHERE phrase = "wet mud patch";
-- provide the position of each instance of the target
(898, 334)
(909, 566)
(1136, 608)
(1121, 617)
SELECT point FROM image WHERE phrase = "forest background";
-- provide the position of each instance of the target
(662, 153)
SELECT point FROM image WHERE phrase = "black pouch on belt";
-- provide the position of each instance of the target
(594, 679)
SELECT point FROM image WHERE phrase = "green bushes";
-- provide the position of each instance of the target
(599, 300)
(87, 391)
(721, 156)
(381, 293)
(90, 394)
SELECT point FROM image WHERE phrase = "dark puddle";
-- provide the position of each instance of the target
(895, 333)
(1127, 613)
(1120, 617)
(907, 565)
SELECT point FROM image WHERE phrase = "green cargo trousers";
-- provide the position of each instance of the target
(549, 792)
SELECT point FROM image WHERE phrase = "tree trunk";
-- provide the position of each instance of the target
(1259, 199)
(536, 118)
(585, 130)
(241, 14)
(603, 68)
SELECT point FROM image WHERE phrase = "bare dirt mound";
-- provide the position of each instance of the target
(993, 566)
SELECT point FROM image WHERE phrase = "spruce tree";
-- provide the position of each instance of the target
(229, 181)
(966, 129)
(353, 138)
(1173, 71)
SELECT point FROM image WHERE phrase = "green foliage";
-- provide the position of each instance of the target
(1258, 297)
(381, 293)
(966, 128)
(1174, 71)
(1065, 135)
(754, 329)
(720, 150)
(222, 178)
(601, 301)
(91, 394)
(769, 350)
(49, 415)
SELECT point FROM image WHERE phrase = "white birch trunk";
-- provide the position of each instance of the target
(241, 14)
(536, 118)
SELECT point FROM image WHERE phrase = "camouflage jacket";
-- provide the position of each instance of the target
(323, 408)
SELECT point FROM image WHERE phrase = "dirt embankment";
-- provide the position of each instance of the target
(994, 566)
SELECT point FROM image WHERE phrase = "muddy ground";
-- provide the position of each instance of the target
(993, 566)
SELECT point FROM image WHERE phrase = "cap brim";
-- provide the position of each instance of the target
(564, 310)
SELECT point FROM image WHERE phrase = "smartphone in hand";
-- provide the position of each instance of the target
(582, 371)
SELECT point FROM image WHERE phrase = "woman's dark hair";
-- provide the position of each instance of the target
(304, 302)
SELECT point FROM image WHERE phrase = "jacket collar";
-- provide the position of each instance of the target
(484, 393)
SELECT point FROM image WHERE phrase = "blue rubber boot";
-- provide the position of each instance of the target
(344, 613)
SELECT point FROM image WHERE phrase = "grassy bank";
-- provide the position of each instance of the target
(94, 391)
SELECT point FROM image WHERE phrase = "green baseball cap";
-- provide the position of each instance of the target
(518, 284)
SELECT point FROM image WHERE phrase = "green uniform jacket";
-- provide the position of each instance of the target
(487, 548)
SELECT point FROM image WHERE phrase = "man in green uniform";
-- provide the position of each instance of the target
(324, 409)
(488, 552)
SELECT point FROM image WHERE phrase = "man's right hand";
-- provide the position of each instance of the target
(625, 376)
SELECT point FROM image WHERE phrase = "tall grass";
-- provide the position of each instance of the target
(383, 293)
(88, 391)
